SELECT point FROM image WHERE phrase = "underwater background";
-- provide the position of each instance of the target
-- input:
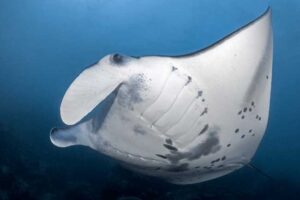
(44, 45)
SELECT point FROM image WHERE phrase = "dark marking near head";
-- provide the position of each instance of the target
(250, 109)
(129, 94)
(161, 156)
(169, 141)
(204, 129)
(243, 117)
(179, 168)
(199, 94)
(240, 112)
(174, 68)
(203, 100)
(253, 134)
(245, 109)
(157, 168)
(267, 77)
(170, 147)
(207, 167)
(220, 166)
(228, 145)
(259, 118)
(204, 111)
(224, 158)
(250, 130)
(252, 103)
(237, 130)
(189, 80)
(243, 136)
(197, 167)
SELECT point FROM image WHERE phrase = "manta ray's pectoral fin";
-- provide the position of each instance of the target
(73, 135)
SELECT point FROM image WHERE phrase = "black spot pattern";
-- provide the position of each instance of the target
(170, 147)
(204, 111)
(169, 141)
(189, 80)
(204, 129)
(199, 94)
(174, 68)
(161, 156)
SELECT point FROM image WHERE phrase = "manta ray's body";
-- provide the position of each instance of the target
(186, 119)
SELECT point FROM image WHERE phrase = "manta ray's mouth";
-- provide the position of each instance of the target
(130, 158)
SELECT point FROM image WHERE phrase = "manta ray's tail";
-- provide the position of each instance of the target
(261, 172)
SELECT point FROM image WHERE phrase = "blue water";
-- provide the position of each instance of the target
(44, 45)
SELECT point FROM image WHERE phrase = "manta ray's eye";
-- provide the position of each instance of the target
(117, 58)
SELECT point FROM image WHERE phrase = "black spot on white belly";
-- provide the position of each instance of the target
(169, 141)
(204, 111)
(204, 129)
(170, 147)
(189, 80)
(199, 94)
(161, 156)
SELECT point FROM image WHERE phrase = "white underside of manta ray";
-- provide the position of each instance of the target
(186, 119)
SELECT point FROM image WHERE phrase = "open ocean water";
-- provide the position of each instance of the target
(44, 45)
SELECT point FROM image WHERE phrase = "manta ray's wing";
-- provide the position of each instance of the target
(235, 76)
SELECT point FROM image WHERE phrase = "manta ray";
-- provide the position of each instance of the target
(186, 119)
